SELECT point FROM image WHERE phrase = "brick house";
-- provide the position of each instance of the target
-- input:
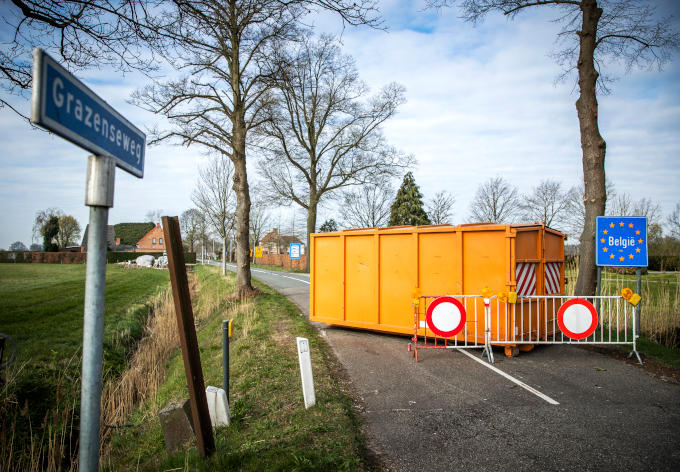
(152, 241)
(276, 243)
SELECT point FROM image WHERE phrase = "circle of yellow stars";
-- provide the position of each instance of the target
(621, 258)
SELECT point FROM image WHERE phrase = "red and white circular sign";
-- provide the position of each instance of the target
(577, 318)
(446, 316)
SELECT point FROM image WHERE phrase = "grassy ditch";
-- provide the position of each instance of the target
(41, 307)
(270, 430)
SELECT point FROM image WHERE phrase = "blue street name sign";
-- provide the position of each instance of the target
(295, 249)
(621, 241)
(65, 106)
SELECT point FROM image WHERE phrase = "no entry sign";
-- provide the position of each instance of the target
(577, 318)
(446, 316)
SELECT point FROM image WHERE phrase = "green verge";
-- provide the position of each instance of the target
(660, 302)
(41, 308)
(270, 429)
(277, 268)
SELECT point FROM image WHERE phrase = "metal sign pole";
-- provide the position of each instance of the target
(99, 197)
(638, 308)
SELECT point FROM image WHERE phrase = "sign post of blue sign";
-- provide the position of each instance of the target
(621, 241)
(295, 249)
(65, 106)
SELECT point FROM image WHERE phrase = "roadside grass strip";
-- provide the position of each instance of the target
(270, 429)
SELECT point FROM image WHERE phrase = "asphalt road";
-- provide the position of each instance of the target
(450, 412)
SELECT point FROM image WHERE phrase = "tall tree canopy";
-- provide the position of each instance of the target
(323, 132)
(80, 33)
(595, 33)
(223, 51)
(407, 208)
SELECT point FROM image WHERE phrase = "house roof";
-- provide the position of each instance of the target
(110, 237)
(274, 237)
(157, 227)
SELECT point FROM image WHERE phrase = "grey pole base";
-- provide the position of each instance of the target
(99, 197)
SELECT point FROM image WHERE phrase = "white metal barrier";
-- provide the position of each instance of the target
(531, 320)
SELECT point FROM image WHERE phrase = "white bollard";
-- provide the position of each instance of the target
(218, 406)
(306, 372)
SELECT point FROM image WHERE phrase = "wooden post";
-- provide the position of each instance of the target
(200, 414)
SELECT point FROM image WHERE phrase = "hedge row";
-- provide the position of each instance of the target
(77, 257)
(112, 257)
(664, 263)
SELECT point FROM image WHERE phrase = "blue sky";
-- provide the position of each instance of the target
(481, 102)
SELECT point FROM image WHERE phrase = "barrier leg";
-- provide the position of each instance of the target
(487, 332)
(634, 351)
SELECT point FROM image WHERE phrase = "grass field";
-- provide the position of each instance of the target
(41, 307)
(270, 430)
(660, 310)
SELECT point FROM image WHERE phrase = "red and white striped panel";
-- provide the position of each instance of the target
(525, 273)
(552, 278)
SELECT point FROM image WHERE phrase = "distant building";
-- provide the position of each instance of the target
(276, 243)
(152, 241)
(110, 239)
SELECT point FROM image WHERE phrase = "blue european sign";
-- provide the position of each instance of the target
(64, 105)
(621, 241)
(295, 250)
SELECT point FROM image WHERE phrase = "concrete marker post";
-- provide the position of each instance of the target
(306, 372)
(99, 197)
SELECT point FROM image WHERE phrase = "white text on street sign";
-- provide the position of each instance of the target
(65, 106)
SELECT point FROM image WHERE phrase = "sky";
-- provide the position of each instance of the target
(482, 101)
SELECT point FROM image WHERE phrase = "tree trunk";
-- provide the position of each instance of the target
(224, 255)
(243, 282)
(592, 146)
(311, 227)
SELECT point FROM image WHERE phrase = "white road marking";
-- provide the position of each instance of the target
(279, 274)
(510, 378)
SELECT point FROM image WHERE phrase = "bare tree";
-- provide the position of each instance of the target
(81, 33)
(259, 218)
(623, 205)
(154, 216)
(323, 134)
(367, 206)
(222, 47)
(547, 203)
(17, 246)
(214, 198)
(595, 32)
(41, 218)
(576, 213)
(439, 208)
(673, 221)
(496, 201)
(190, 222)
(69, 231)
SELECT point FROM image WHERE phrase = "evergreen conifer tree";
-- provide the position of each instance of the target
(407, 208)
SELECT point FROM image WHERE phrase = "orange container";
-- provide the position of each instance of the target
(365, 278)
